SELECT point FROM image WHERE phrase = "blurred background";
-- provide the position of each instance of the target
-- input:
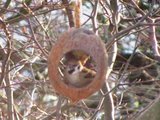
(29, 29)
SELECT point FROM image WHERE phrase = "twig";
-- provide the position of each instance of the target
(32, 13)
(120, 34)
(35, 40)
(153, 39)
(20, 16)
(69, 13)
(98, 109)
(5, 76)
(58, 109)
(94, 17)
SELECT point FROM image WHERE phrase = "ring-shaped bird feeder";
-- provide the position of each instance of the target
(78, 39)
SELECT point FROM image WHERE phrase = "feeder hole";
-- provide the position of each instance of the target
(77, 68)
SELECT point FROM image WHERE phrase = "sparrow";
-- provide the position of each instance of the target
(77, 75)
(77, 55)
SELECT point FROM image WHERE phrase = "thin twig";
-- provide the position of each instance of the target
(36, 41)
(69, 13)
(94, 17)
(5, 76)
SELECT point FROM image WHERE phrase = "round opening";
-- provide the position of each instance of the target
(77, 68)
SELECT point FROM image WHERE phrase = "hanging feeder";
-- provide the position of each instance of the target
(84, 40)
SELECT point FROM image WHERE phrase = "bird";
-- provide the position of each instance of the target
(77, 55)
(77, 75)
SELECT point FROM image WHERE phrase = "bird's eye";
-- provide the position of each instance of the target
(71, 71)
(78, 66)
